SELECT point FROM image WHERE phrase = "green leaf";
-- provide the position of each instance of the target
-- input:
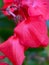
(1, 3)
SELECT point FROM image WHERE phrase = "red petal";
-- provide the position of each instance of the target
(3, 63)
(38, 8)
(8, 1)
(13, 50)
(32, 33)
(2, 57)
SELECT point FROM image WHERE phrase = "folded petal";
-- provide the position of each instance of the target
(32, 32)
(13, 50)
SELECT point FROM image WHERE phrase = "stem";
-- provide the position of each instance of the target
(11, 13)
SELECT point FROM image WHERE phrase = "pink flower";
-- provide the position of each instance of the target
(13, 50)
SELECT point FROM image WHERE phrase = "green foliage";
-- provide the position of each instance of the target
(1, 3)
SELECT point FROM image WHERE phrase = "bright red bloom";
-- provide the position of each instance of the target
(32, 32)
(13, 50)
(31, 7)
(29, 33)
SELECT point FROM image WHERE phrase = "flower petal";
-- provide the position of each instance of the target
(32, 32)
(13, 50)
(2, 63)
(7, 1)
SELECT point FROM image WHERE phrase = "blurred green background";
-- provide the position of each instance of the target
(38, 56)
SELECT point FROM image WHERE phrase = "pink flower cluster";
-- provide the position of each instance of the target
(30, 32)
